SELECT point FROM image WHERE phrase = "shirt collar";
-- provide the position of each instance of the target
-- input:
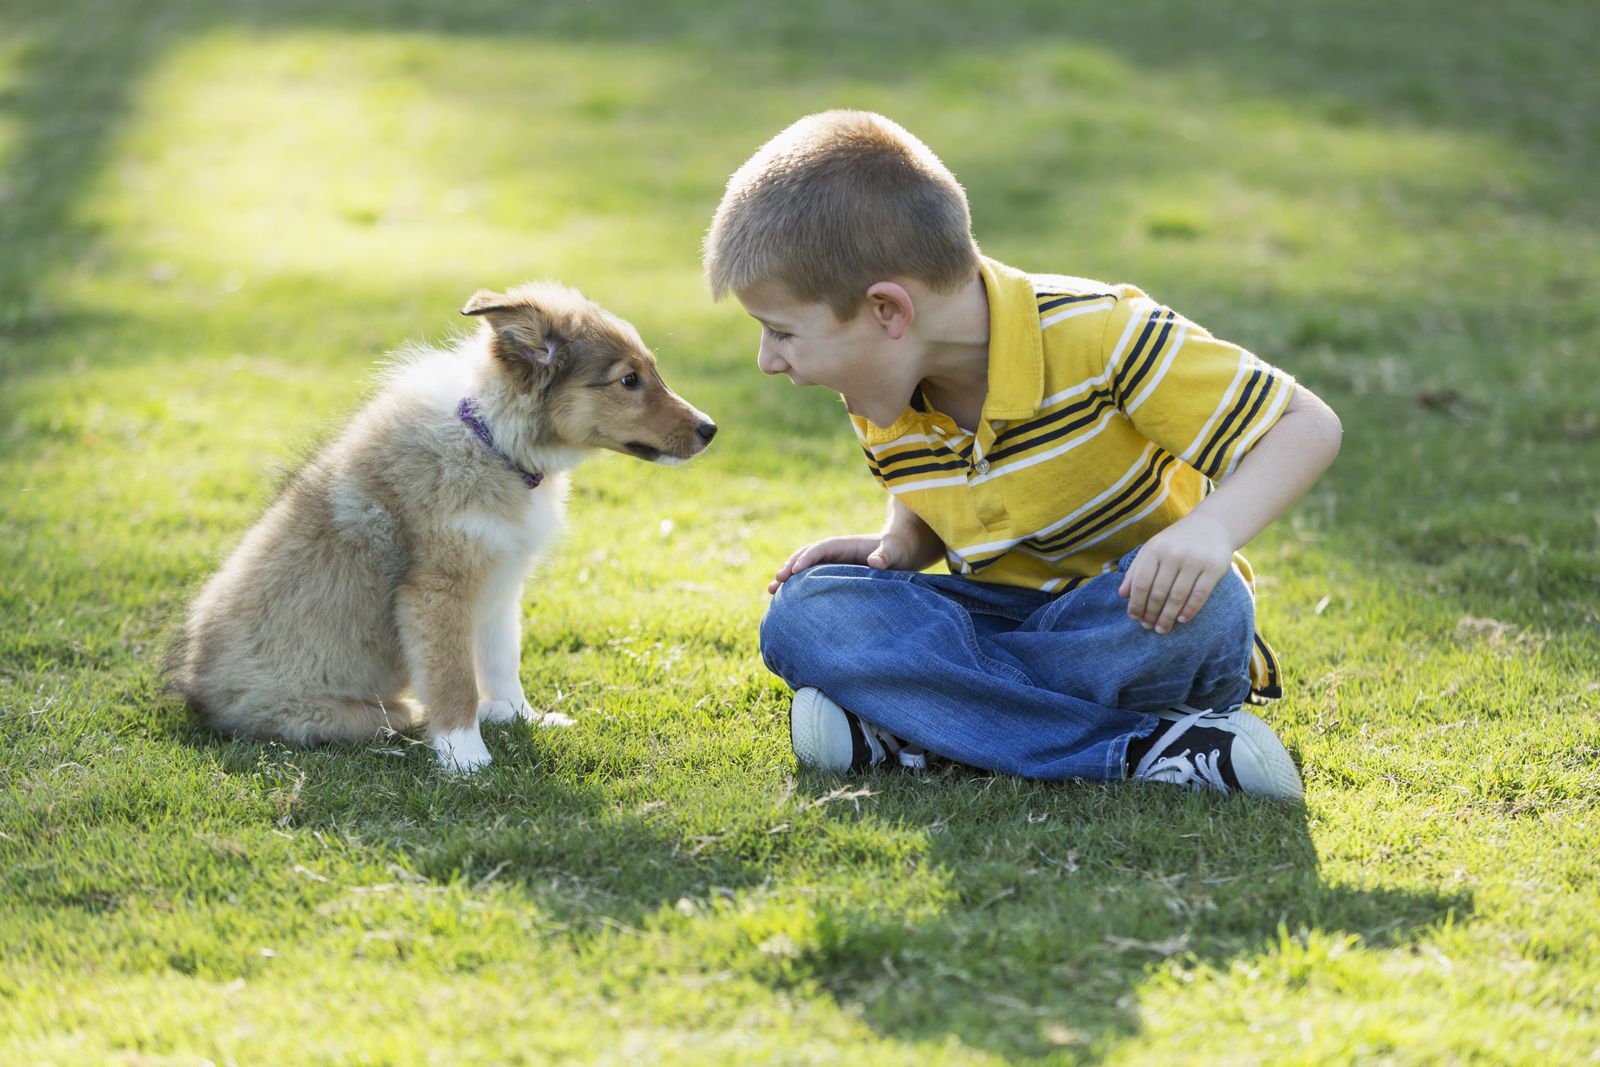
(1016, 356)
(1016, 348)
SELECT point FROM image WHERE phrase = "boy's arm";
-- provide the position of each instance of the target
(1176, 570)
(906, 543)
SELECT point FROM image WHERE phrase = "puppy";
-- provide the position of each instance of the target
(382, 590)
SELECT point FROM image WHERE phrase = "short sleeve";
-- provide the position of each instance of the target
(1204, 400)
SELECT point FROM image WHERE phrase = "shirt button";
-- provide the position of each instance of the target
(982, 466)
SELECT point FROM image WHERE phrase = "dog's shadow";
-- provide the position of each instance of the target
(580, 833)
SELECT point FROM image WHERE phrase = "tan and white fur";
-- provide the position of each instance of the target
(382, 590)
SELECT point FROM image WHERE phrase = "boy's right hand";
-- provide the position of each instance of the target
(872, 550)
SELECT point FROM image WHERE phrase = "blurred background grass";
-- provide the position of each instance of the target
(215, 218)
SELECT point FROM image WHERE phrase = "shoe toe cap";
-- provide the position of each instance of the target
(820, 732)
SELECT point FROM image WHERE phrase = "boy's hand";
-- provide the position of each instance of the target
(872, 550)
(1174, 573)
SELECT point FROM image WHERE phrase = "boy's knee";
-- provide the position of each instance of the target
(803, 606)
(1232, 597)
(1227, 620)
(810, 611)
(804, 591)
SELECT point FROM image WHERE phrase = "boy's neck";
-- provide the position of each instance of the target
(954, 328)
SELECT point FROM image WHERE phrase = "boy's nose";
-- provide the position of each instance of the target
(769, 363)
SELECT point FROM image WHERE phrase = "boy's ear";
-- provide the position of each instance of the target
(521, 330)
(891, 307)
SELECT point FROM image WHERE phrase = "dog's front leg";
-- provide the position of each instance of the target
(500, 658)
(500, 655)
(434, 611)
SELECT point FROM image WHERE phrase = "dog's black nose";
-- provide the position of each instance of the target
(706, 430)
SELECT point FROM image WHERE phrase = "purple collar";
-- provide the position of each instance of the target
(467, 412)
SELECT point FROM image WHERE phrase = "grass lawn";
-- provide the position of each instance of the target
(216, 217)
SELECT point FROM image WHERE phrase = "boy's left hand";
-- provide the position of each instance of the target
(1175, 571)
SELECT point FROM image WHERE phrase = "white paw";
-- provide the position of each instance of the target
(502, 710)
(461, 751)
(509, 710)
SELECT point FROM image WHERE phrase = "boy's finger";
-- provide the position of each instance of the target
(1160, 592)
(1138, 583)
(1197, 598)
(1176, 597)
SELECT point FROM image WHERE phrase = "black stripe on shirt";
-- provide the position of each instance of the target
(1226, 431)
(1089, 419)
(1130, 377)
(1058, 301)
(936, 453)
(1272, 687)
(1248, 421)
(925, 468)
(1137, 493)
(1009, 443)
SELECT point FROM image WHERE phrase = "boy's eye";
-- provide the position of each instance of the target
(629, 381)
(777, 336)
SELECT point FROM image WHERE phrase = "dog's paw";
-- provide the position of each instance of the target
(509, 710)
(461, 751)
(503, 710)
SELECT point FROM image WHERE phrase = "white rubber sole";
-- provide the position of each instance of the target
(819, 732)
(1269, 771)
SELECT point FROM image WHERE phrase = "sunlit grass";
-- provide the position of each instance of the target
(216, 221)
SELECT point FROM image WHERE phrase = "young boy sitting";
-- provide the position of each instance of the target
(1086, 461)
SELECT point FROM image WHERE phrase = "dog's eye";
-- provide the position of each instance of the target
(630, 381)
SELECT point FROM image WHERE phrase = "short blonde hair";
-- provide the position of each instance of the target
(836, 202)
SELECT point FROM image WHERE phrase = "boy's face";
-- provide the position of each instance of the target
(855, 358)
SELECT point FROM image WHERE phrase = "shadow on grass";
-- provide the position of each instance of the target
(1021, 918)
(1065, 898)
(553, 822)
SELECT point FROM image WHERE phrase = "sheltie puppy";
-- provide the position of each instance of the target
(382, 590)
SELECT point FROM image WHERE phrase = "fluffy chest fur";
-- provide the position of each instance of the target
(518, 533)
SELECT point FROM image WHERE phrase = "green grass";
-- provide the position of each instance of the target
(216, 217)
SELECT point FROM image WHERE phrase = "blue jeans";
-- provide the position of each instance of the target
(1002, 678)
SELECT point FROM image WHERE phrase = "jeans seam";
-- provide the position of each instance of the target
(970, 633)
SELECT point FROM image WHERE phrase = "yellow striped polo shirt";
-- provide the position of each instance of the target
(1108, 417)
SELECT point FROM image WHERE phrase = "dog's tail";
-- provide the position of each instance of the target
(310, 721)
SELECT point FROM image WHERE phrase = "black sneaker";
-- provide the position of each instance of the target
(828, 738)
(1227, 752)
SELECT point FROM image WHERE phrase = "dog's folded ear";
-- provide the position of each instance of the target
(521, 330)
(485, 301)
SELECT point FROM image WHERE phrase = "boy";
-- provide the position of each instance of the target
(1085, 461)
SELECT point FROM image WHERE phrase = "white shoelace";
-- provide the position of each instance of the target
(883, 744)
(1200, 771)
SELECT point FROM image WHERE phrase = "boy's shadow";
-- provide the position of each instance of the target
(1065, 900)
